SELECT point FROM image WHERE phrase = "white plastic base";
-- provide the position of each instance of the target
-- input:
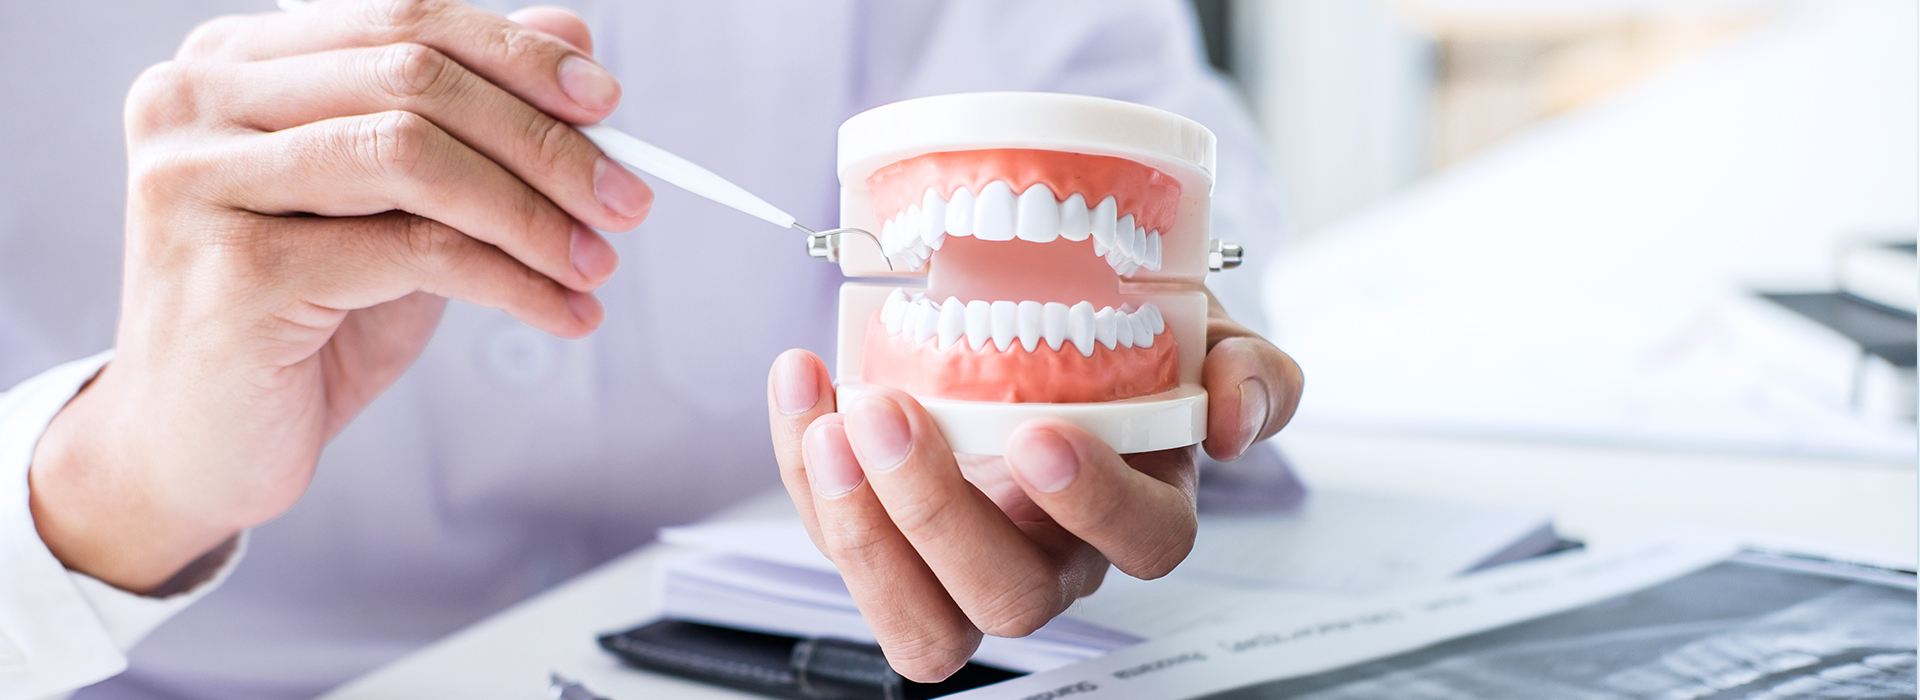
(1163, 421)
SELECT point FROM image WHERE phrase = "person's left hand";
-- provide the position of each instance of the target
(938, 548)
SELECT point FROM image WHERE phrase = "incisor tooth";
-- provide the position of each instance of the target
(1038, 215)
(1053, 324)
(1103, 225)
(933, 219)
(979, 324)
(993, 212)
(1103, 326)
(1142, 335)
(1006, 324)
(1122, 330)
(1080, 327)
(1029, 324)
(1076, 222)
(960, 213)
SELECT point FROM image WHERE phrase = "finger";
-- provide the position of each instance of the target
(551, 74)
(355, 263)
(356, 166)
(558, 22)
(1005, 582)
(1142, 521)
(546, 153)
(1252, 391)
(798, 393)
(924, 633)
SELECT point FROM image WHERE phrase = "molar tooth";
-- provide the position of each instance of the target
(1115, 258)
(1103, 326)
(1153, 251)
(926, 321)
(933, 219)
(891, 311)
(1103, 225)
(1029, 324)
(953, 322)
(979, 324)
(960, 213)
(1053, 324)
(1142, 335)
(1122, 330)
(1076, 222)
(1127, 268)
(1037, 215)
(1080, 327)
(1155, 322)
(993, 212)
(1006, 324)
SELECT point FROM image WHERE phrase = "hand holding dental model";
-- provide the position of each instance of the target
(972, 480)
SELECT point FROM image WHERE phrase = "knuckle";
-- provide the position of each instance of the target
(395, 143)
(857, 541)
(556, 144)
(1017, 611)
(923, 513)
(431, 246)
(164, 95)
(394, 21)
(210, 38)
(407, 70)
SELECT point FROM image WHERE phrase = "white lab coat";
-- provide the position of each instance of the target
(507, 460)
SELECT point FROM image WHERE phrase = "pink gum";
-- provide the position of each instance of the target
(1148, 194)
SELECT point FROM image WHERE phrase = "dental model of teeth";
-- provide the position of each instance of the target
(1027, 324)
(997, 214)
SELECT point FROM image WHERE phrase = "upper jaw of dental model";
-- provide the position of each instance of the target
(996, 213)
(1026, 324)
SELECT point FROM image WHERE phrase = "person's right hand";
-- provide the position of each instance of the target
(307, 188)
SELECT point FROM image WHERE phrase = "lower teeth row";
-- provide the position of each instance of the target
(1027, 323)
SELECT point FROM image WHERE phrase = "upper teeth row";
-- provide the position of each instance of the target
(1028, 323)
(997, 214)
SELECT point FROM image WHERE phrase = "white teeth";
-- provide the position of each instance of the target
(1076, 222)
(993, 212)
(1038, 215)
(1080, 327)
(1006, 325)
(997, 214)
(1053, 324)
(953, 322)
(979, 324)
(1028, 323)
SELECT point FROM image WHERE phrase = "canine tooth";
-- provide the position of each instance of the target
(953, 322)
(1080, 327)
(960, 213)
(1037, 217)
(1053, 324)
(1139, 246)
(1153, 251)
(1122, 330)
(890, 239)
(979, 324)
(1103, 326)
(1076, 222)
(1006, 324)
(926, 321)
(1123, 239)
(1155, 322)
(1142, 335)
(891, 311)
(1103, 225)
(933, 219)
(993, 212)
(1030, 325)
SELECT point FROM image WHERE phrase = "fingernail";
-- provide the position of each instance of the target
(1044, 460)
(1253, 412)
(831, 465)
(619, 190)
(592, 255)
(882, 432)
(795, 388)
(588, 84)
(584, 306)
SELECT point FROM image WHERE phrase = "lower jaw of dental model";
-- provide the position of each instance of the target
(1025, 252)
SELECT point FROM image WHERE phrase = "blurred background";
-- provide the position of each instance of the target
(1630, 261)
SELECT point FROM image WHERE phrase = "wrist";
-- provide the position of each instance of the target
(95, 505)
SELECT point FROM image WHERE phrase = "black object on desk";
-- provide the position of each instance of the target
(785, 667)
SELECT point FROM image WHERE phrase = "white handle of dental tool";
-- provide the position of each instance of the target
(682, 173)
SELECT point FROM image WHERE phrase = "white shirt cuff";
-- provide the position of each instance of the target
(61, 630)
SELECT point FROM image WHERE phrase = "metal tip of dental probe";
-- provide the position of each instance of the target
(818, 244)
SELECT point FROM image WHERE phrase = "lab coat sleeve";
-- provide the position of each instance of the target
(60, 630)
(1144, 51)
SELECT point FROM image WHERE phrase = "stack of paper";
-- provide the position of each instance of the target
(766, 575)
